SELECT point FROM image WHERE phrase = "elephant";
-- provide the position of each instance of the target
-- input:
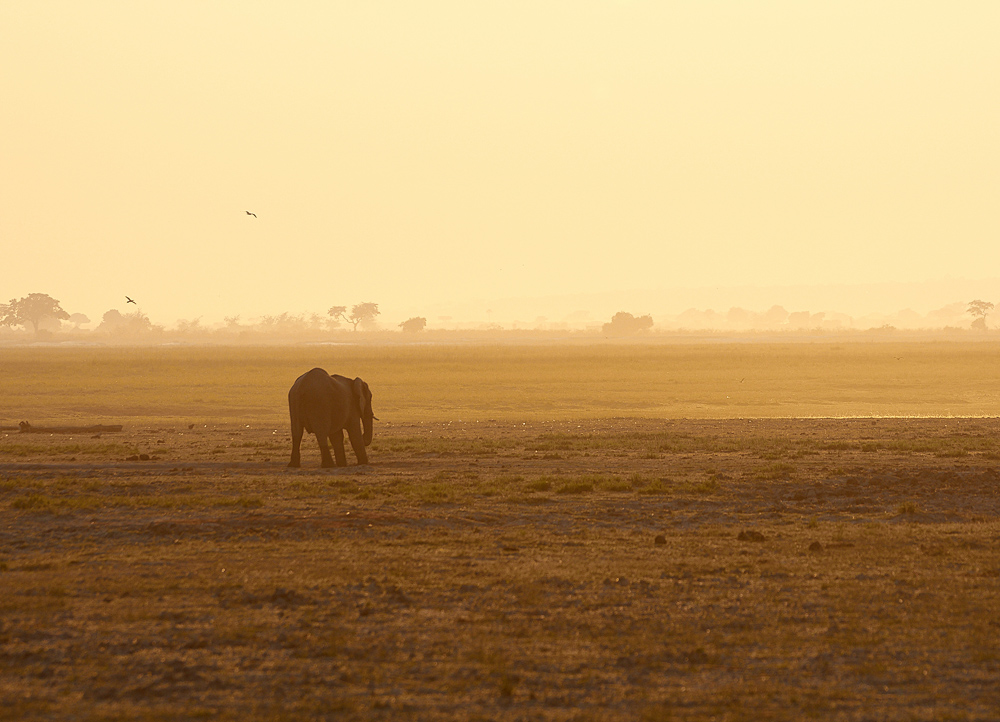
(324, 404)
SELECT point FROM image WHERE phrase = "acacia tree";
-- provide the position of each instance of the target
(361, 313)
(32, 309)
(979, 310)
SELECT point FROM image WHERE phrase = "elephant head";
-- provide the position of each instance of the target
(363, 397)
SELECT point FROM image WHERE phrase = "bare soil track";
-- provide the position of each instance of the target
(616, 569)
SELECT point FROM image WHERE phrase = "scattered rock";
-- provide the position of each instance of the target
(660, 540)
(190, 426)
(815, 547)
(751, 536)
(145, 457)
(134, 457)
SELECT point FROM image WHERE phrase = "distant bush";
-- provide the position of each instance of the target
(116, 323)
(625, 324)
(412, 325)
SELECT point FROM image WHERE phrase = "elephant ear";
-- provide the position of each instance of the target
(359, 394)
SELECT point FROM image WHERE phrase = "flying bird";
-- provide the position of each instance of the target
(251, 214)
(129, 300)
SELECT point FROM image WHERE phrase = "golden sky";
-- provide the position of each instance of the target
(431, 154)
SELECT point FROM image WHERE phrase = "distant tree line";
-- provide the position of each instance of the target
(42, 315)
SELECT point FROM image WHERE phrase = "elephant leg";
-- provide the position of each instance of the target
(358, 444)
(324, 450)
(296, 443)
(337, 439)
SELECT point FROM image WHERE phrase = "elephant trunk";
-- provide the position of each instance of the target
(367, 420)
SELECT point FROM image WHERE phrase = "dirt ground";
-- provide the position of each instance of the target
(612, 569)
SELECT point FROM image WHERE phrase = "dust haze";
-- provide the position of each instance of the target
(40, 318)
(529, 166)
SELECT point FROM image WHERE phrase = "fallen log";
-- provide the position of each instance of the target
(27, 428)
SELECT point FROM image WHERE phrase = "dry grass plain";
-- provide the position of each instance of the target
(551, 533)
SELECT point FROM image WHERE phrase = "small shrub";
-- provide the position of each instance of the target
(35, 502)
(657, 486)
(708, 486)
(837, 446)
(435, 494)
(615, 484)
(575, 487)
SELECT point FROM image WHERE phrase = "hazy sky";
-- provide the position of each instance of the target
(434, 153)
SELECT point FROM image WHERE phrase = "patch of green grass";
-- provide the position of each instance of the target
(442, 446)
(490, 487)
(774, 472)
(47, 503)
(272, 445)
(575, 487)
(540, 484)
(703, 487)
(656, 486)
(22, 450)
(913, 446)
(616, 484)
(44, 502)
(837, 446)
(342, 484)
(435, 493)
(245, 502)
